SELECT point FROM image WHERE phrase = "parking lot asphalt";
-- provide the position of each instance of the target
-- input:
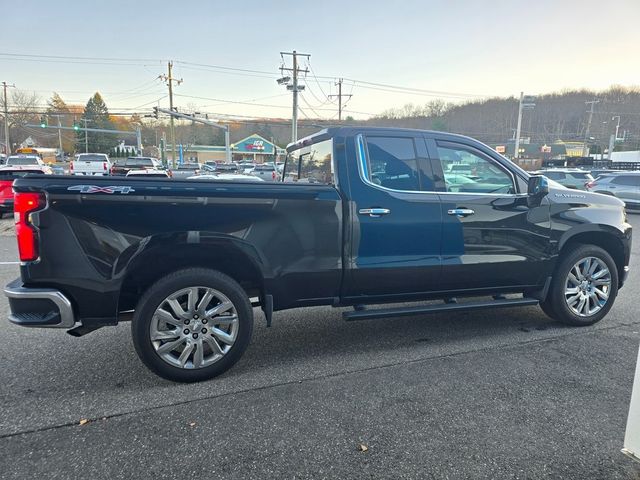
(491, 394)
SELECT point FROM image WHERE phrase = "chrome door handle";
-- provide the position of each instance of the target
(461, 212)
(374, 212)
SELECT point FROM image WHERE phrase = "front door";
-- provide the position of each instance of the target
(491, 237)
(396, 219)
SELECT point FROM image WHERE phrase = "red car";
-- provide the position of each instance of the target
(7, 175)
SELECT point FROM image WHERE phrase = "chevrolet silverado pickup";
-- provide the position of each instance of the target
(370, 218)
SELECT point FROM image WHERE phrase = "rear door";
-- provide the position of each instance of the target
(491, 237)
(394, 248)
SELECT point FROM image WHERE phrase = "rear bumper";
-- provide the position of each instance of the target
(39, 307)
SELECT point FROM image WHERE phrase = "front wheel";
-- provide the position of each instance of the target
(583, 288)
(192, 325)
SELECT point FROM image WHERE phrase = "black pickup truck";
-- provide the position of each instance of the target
(363, 218)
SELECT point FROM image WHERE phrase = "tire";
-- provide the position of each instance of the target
(564, 301)
(191, 341)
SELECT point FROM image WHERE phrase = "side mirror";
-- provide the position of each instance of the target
(538, 185)
(537, 188)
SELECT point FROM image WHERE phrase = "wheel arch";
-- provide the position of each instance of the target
(605, 237)
(160, 257)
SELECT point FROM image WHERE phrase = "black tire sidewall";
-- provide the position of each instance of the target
(170, 284)
(556, 304)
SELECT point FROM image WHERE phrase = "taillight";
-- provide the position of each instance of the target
(273, 175)
(104, 166)
(590, 184)
(24, 205)
(71, 167)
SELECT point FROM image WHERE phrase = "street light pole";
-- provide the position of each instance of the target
(6, 119)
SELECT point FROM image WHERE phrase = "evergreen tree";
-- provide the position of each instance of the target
(97, 116)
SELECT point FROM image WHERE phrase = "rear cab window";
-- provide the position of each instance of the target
(91, 158)
(311, 164)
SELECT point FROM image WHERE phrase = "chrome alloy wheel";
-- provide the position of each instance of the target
(194, 327)
(587, 286)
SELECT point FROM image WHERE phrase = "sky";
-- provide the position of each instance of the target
(453, 50)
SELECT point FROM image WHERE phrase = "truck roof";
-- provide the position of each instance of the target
(331, 132)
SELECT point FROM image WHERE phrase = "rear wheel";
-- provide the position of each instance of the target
(583, 288)
(192, 325)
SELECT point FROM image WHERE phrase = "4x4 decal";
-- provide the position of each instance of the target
(96, 189)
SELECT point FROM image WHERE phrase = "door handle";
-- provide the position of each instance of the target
(374, 212)
(461, 212)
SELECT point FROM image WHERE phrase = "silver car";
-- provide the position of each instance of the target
(624, 185)
(267, 172)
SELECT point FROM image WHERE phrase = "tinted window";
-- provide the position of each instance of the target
(23, 161)
(392, 163)
(555, 175)
(147, 162)
(466, 171)
(629, 180)
(92, 158)
(312, 164)
(581, 175)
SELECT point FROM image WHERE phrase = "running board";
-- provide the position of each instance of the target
(442, 307)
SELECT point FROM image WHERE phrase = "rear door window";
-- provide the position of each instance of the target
(392, 163)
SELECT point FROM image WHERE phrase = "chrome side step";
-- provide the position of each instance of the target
(443, 307)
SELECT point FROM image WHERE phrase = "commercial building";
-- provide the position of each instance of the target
(253, 148)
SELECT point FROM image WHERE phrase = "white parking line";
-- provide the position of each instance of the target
(9, 263)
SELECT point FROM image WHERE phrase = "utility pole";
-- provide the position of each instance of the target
(294, 87)
(340, 95)
(527, 102)
(586, 132)
(172, 130)
(516, 152)
(6, 118)
(86, 136)
(60, 136)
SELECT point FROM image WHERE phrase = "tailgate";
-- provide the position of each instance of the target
(90, 167)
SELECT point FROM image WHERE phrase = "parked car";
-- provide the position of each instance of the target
(90, 164)
(568, 177)
(246, 167)
(7, 175)
(3, 159)
(266, 171)
(185, 170)
(57, 170)
(122, 166)
(191, 259)
(596, 172)
(623, 185)
(226, 177)
(148, 173)
(230, 167)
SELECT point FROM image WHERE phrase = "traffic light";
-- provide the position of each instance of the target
(44, 121)
(76, 126)
(155, 112)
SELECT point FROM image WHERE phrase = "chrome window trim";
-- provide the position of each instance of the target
(360, 151)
